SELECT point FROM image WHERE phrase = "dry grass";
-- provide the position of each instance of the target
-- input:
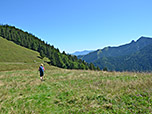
(75, 91)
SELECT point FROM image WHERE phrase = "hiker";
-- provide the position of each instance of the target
(41, 69)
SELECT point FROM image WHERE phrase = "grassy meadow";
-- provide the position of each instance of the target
(75, 92)
(13, 56)
(11, 52)
(67, 91)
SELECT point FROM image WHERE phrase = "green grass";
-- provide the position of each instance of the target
(13, 57)
(67, 91)
(10, 52)
(75, 91)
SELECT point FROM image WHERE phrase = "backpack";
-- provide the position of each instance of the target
(41, 69)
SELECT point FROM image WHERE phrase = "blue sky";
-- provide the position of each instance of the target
(74, 25)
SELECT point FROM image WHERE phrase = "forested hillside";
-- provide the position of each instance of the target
(30, 41)
(122, 50)
(135, 56)
(139, 61)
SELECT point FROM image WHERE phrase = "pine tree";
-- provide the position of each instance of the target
(92, 67)
(52, 60)
(105, 69)
(42, 54)
(98, 68)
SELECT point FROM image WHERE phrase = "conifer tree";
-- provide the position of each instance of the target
(42, 54)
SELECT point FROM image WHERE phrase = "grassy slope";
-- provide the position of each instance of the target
(10, 52)
(67, 91)
(13, 56)
(74, 91)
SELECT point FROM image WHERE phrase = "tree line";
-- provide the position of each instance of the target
(56, 58)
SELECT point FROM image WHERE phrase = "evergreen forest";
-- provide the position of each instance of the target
(32, 42)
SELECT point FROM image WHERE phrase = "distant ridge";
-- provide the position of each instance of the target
(125, 57)
(85, 52)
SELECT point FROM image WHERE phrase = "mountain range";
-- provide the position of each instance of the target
(134, 56)
(85, 52)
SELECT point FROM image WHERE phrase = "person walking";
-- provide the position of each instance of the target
(41, 69)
